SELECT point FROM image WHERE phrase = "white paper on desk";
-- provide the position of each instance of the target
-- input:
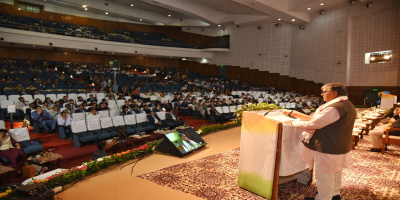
(20, 134)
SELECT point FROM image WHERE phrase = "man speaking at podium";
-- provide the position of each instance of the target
(327, 140)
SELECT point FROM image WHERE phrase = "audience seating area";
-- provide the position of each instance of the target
(90, 32)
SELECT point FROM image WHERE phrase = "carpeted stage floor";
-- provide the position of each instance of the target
(211, 173)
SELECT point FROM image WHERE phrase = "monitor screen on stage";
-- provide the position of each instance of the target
(186, 140)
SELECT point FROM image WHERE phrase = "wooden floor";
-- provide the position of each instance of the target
(120, 184)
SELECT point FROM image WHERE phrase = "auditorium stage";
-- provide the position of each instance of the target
(120, 184)
(372, 176)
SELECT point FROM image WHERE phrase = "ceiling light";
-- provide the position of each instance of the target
(279, 19)
(321, 4)
(308, 8)
(219, 25)
(169, 15)
(293, 20)
(141, 19)
(84, 6)
(387, 57)
(106, 13)
(372, 58)
(131, 4)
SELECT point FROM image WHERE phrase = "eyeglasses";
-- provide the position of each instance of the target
(323, 92)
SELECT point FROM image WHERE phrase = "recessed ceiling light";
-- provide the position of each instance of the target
(84, 6)
(279, 19)
(321, 4)
(169, 15)
(308, 8)
(106, 13)
(131, 4)
(141, 19)
(293, 20)
(219, 25)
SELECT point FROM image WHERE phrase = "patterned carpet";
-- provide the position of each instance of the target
(372, 176)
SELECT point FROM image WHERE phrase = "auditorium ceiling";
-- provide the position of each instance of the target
(203, 13)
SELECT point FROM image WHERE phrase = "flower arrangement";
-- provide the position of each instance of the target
(87, 168)
(258, 106)
(208, 129)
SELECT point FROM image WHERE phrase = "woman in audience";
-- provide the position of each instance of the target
(11, 151)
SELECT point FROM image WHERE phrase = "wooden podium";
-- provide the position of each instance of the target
(263, 155)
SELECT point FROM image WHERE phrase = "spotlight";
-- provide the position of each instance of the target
(278, 24)
(106, 3)
(135, 51)
(352, 2)
(370, 4)
(260, 28)
(96, 48)
(51, 44)
(322, 12)
(302, 27)
(2, 39)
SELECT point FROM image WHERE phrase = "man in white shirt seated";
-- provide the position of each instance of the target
(93, 115)
(21, 103)
(65, 121)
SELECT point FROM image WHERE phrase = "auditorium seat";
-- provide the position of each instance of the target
(141, 120)
(108, 126)
(389, 139)
(80, 134)
(21, 135)
(94, 127)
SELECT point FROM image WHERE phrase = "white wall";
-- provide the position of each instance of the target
(267, 49)
(331, 48)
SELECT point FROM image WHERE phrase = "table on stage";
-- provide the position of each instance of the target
(269, 150)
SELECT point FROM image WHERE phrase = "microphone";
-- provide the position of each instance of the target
(291, 116)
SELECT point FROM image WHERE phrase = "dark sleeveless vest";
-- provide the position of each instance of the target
(335, 138)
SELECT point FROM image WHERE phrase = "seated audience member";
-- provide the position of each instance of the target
(54, 113)
(376, 137)
(147, 110)
(69, 109)
(93, 107)
(11, 150)
(80, 100)
(63, 100)
(65, 121)
(103, 106)
(49, 101)
(81, 109)
(185, 107)
(20, 104)
(136, 110)
(155, 120)
(46, 106)
(158, 108)
(73, 104)
(91, 98)
(171, 117)
(218, 116)
(44, 118)
(127, 105)
(93, 115)
(126, 111)
(103, 146)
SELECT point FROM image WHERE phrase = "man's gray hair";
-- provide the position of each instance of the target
(337, 87)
